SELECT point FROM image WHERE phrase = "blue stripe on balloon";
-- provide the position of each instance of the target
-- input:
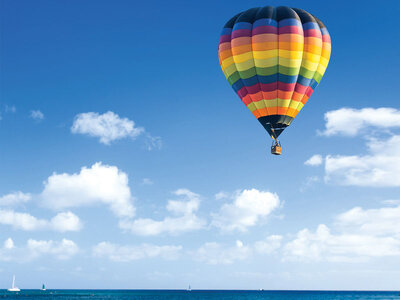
(226, 31)
(267, 79)
(313, 84)
(324, 31)
(287, 78)
(243, 25)
(289, 22)
(264, 80)
(310, 25)
(265, 22)
(303, 80)
(237, 85)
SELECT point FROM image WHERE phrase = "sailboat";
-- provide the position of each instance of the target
(189, 288)
(43, 287)
(13, 287)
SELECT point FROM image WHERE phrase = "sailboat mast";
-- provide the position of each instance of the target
(13, 283)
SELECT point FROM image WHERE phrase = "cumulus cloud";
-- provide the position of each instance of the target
(248, 208)
(66, 221)
(14, 198)
(268, 245)
(221, 195)
(129, 253)
(108, 127)
(8, 244)
(350, 121)
(37, 115)
(215, 253)
(33, 249)
(361, 234)
(323, 245)
(183, 217)
(22, 221)
(380, 222)
(98, 184)
(379, 168)
(61, 250)
(315, 160)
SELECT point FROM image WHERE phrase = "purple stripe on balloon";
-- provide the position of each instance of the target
(291, 29)
(266, 87)
(265, 29)
(241, 33)
(224, 39)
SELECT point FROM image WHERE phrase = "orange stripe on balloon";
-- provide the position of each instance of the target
(264, 46)
(240, 41)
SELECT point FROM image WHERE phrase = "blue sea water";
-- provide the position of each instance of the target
(199, 294)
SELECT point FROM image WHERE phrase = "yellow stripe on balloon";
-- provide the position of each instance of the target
(265, 63)
(265, 54)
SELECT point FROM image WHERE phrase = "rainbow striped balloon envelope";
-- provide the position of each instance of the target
(274, 58)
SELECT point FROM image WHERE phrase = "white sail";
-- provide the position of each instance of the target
(13, 287)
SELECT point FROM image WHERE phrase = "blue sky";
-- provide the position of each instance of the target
(127, 161)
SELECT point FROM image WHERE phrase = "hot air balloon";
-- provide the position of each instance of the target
(274, 58)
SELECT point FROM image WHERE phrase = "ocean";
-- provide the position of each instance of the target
(199, 294)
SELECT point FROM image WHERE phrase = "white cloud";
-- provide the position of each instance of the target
(215, 253)
(147, 181)
(15, 198)
(61, 250)
(184, 218)
(380, 222)
(153, 142)
(314, 160)
(33, 249)
(22, 221)
(7, 250)
(66, 221)
(308, 182)
(379, 168)
(269, 245)
(361, 234)
(8, 244)
(62, 222)
(108, 126)
(221, 195)
(349, 121)
(247, 209)
(322, 245)
(37, 115)
(10, 109)
(97, 184)
(391, 202)
(129, 253)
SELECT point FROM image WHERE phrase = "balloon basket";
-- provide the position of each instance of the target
(276, 148)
